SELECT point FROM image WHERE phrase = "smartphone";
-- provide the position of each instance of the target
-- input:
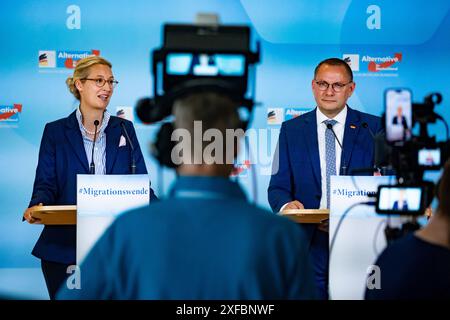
(398, 114)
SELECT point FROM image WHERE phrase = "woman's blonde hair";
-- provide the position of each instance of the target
(82, 71)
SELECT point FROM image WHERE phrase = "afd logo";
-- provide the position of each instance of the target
(242, 169)
(125, 112)
(275, 116)
(64, 59)
(387, 63)
(292, 113)
(352, 60)
(10, 113)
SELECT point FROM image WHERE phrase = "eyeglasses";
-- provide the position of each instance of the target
(337, 86)
(100, 82)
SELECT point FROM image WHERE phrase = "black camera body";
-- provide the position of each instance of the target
(198, 58)
(410, 156)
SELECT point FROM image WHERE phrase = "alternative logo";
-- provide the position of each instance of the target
(10, 113)
(47, 59)
(125, 113)
(63, 59)
(352, 60)
(292, 113)
(275, 116)
(242, 169)
(389, 63)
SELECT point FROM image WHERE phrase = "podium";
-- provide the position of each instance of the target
(306, 215)
(55, 215)
(359, 239)
(100, 200)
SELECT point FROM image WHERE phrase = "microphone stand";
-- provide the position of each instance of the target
(92, 165)
(133, 160)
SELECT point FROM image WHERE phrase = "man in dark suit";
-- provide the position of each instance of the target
(308, 153)
(400, 204)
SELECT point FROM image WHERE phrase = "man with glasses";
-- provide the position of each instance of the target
(309, 152)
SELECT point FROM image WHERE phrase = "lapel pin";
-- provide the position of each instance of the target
(352, 126)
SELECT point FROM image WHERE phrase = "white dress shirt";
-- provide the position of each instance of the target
(339, 130)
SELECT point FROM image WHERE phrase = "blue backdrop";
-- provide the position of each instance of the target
(389, 44)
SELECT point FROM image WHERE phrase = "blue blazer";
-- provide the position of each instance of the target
(298, 175)
(61, 157)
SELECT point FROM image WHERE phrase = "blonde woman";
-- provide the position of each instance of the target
(66, 150)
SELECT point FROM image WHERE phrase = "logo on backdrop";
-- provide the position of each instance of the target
(241, 169)
(377, 64)
(352, 60)
(63, 59)
(374, 65)
(125, 113)
(10, 114)
(73, 21)
(275, 116)
(291, 113)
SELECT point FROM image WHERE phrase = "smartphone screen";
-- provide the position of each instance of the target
(398, 116)
(394, 199)
(429, 158)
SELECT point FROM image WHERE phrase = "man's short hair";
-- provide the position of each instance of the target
(335, 62)
(216, 112)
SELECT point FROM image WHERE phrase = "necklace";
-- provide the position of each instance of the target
(90, 132)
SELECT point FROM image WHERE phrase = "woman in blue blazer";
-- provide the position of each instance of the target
(66, 150)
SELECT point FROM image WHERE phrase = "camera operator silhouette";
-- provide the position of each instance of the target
(416, 266)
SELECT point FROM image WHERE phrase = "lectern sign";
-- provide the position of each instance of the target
(100, 199)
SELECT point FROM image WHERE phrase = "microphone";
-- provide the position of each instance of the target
(330, 126)
(133, 161)
(344, 165)
(379, 145)
(92, 165)
(365, 125)
(148, 111)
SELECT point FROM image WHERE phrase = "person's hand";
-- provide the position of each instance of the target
(294, 205)
(324, 225)
(27, 214)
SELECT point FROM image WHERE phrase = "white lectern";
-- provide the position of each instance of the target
(360, 237)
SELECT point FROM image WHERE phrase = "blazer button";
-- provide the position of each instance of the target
(318, 196)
